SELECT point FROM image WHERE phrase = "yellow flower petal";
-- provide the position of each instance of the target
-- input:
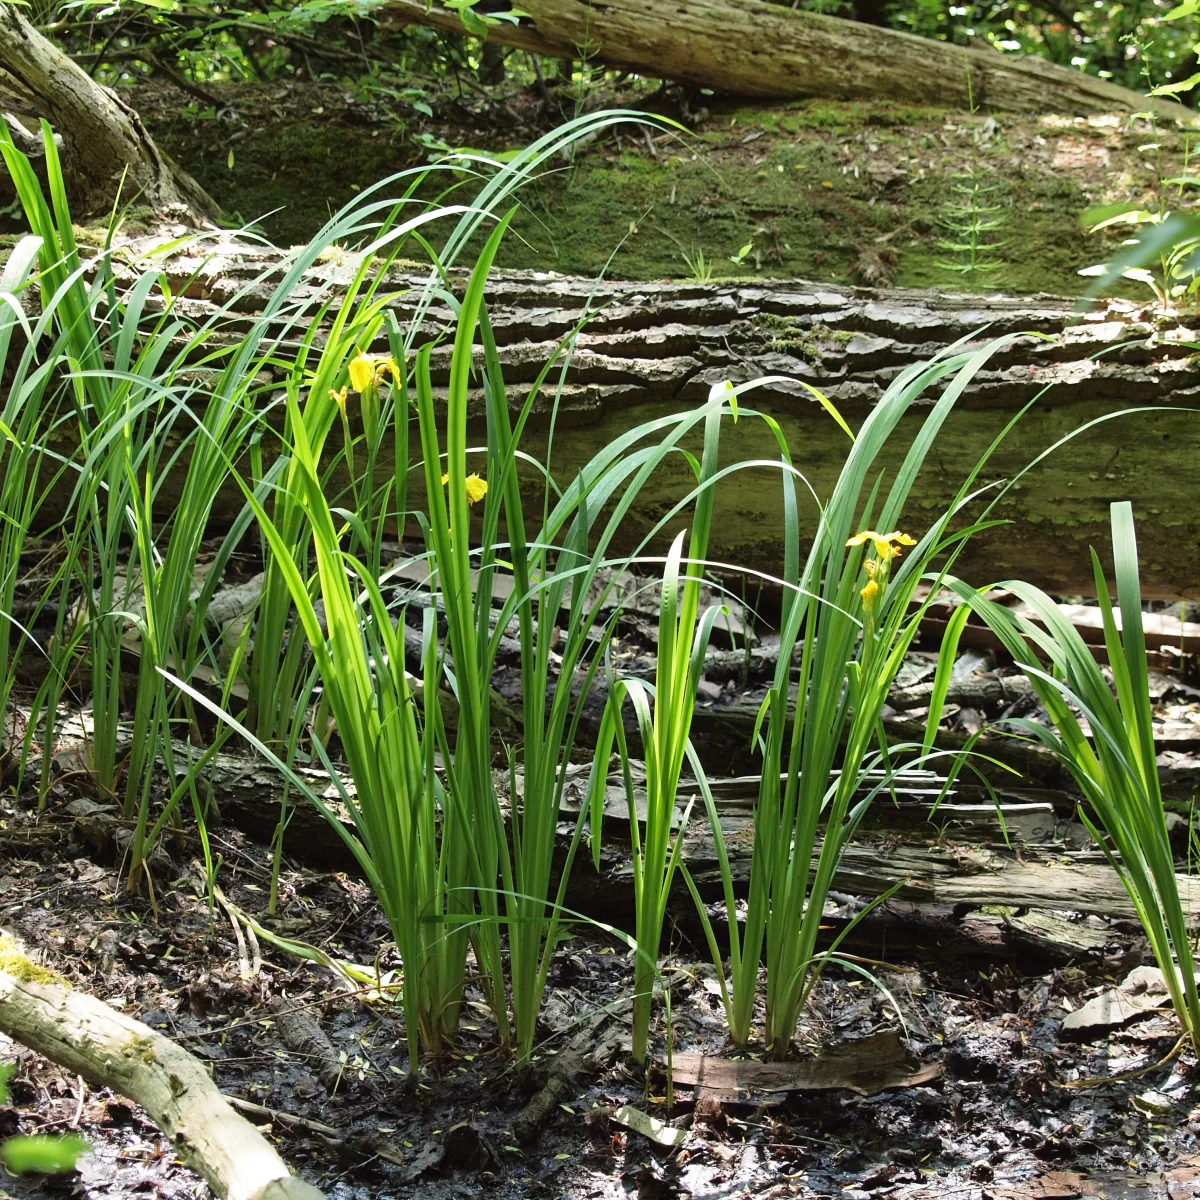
(869, 592)
(339, 398)
(870, 566)
(902, 538)
(476, 488)
(362, 372)
(445, 480)
(866, 535)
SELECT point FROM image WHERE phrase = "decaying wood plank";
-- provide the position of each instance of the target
(1053, 936)
(866, 1066)
(963, 877)
(110, 1049)
(248, 793)
(928, 873)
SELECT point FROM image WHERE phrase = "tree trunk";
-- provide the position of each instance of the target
(106, 150)
(109, 1049)
(652, 349)
(752, 48)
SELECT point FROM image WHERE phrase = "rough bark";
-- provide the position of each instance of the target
(302, 1033)
(752, 48)
(106, 149)
(652, 349)
(655, 348)
(110, 1049)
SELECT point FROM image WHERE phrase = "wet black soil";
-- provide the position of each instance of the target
(999, 1122)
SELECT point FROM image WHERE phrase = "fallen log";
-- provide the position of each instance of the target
(107, 151)
(650, 349)
(112, 1050)
(752, 48)
(941, 872)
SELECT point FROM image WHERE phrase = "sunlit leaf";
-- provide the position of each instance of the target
(1186, 9)
(1173, 89)
(46, 1155)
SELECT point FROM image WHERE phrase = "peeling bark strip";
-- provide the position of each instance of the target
(302, 1034)
(102, 137)
(751, 48)
(655, 348)
(84, 1035)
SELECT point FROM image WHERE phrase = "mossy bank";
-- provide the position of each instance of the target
(845, 192)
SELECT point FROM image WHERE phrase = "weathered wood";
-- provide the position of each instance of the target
(302, 1034)
(751, 48)
(976, 691)
(84, 1035)
(867, 1066)
(951, 874)
(653, 349)
(106, 149)
(1053, 936)
(964, 877)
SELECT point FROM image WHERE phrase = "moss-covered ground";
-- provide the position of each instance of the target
(820, 190)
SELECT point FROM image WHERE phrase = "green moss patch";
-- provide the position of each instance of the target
(845, 192)
(15, 962)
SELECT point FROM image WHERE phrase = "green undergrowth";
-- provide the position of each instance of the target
(840, 192)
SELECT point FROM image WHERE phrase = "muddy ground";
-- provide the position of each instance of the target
(998, 1121)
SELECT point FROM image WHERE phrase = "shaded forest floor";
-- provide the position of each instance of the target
(989, 1118)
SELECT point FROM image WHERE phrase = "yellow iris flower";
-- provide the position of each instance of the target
(476, 488)
(339, 398)
(367, 369)
(887, 545)
(475, 485)
(362, 371)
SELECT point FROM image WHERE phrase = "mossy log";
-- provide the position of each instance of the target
(651, 349)
(109, 1049)
(844, 191)
(752, 48)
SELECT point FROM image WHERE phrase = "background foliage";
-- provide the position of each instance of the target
(197, 41)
